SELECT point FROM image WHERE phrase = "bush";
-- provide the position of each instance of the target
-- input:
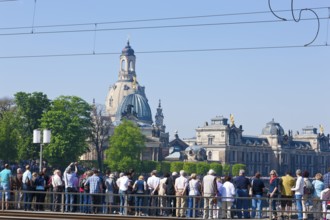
(189, 167)
(148, 165)
(202, 168)
(217, 167)
(236, 168)
(176, 166)
(226, 169)
(165, 167)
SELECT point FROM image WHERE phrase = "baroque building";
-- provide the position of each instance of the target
(273, 149)
(126, 99)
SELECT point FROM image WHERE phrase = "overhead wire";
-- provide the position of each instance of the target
(151, 27)
(165, 51)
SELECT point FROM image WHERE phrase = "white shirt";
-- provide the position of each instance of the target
(194, 186)
(153, 182)
(26, 174)
(228, 192)
(122, 183)
(181, 183)
(56, 180)
(299, 188)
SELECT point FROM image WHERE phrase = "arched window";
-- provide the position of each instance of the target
(123, 65)
(131, 66)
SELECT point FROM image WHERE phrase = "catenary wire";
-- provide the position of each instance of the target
(153, 27)
(166, 51)
(151, 19)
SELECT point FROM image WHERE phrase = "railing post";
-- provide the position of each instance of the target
(62, 201)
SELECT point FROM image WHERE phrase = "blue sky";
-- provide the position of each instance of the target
(289, 85)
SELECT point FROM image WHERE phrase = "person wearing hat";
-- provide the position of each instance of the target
(5, 176)
(210, 192)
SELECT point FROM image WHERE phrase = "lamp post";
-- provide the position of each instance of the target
(37, 140)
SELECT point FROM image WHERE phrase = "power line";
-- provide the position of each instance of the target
(166, 51)
(149, 19)
(154, 27)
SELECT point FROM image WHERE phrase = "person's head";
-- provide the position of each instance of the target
(211, 172)
(7, 166)
(89, 173)
(107, 172)
(193, 176)
(241, 172)
(305, 174)
(298, 172)
(153, 173)
(57, 172)
(34, 174)
(44, 170)
(68, 170)
(182, 173)
(121, 174)
(219, 179)
(227, 178)
(96, 172)
(258, 175)
(27, 167)
(141, 177)
(318, 176)
(41, 173)
(288, 172)
(273, 173)
(174, 173)
(166, 175)
(111, 176)
(19, 170)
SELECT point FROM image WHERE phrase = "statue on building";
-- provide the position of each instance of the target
(232, 120)
(195, 153)
(321, 129)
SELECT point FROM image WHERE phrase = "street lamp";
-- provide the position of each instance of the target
(37, 140)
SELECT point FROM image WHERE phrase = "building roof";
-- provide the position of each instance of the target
(127, 51)
(136, 105)
(273, 128)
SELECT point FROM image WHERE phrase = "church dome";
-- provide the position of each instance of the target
(273, 128)
(138, 105)
(127, 51)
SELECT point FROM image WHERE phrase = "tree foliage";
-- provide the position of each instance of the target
(30, 108)
(127, 142)
(176, 166)
(69, 120)
(202, 168)
(236, 168)
(189, 167)
(217, 167)
(226, 169)
(8, 136)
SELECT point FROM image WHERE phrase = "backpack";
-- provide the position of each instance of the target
(308, 187)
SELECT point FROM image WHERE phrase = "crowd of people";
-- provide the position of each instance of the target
(177, 194)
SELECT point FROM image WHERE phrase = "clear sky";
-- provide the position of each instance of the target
(290, 85)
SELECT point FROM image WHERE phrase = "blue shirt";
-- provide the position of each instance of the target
(5, 175)
(241, 182)
(318, 187)
(94, 184)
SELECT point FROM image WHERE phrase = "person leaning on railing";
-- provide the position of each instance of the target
(316, 197)
(286, 183)
(273, 191)
(5, 177)
(299, 191)
(258, 188)
(228, 193)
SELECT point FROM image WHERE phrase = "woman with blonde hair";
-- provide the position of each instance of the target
(194, 191)
(316, 197)
(140, 187)
(273, 191)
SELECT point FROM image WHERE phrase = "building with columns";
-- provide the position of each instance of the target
(273, 149)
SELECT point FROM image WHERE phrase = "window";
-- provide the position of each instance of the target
(232, 156)
(123, 65)
(210, 141)
(131, 66)
(266, 157)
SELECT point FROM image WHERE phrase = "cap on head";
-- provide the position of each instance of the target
(211, 172)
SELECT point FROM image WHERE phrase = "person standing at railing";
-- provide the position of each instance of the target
(258, 188)
(209, 193)
(5, 176)
(40, 191)
(162, 194)
(170, 192)
(273, 191)
(68, 177)
(19, 187)
(181, 184)
(27, 186)
(242, 185)
(228, 192)
(299, 191)
(286, 183)
(140, 187)
(317, 203)
(195, 189)
(110, 185)
(153, 186)
(307, 193)
(95, 188)
(122, 183)
(57, 189)
(326, 179)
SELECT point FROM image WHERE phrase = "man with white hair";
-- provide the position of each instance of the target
(210, 192)
(181, 184)
(170, 192)
(153, 186)
(242, 185)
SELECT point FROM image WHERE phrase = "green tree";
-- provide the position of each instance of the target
(126, 142)
(226, 169)
(217, 167)
(69, 119)
(165, 167)
(202, 168)
(8, 136)
(236, 168)
(30, 108)
(189, 167)
(176, 166)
